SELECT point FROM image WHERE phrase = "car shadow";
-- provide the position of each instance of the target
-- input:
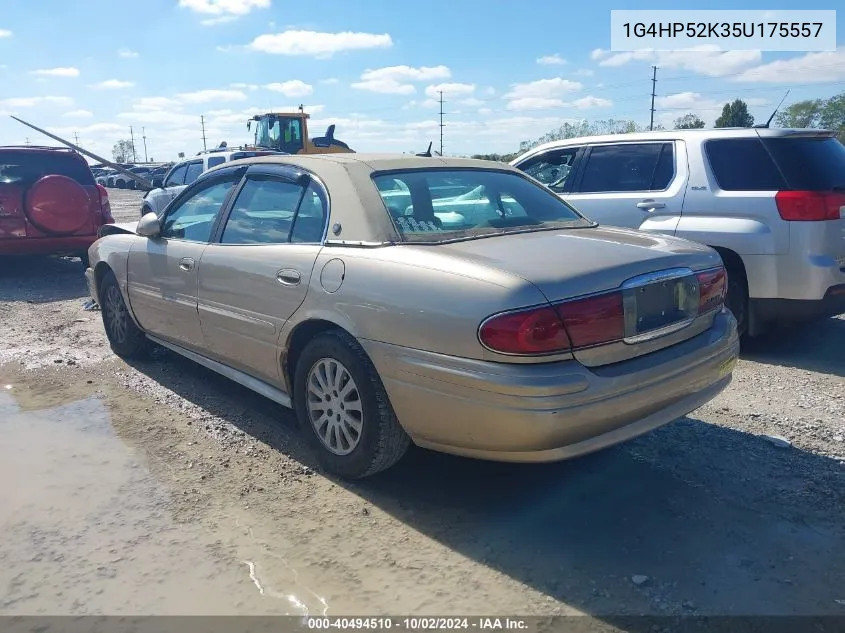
(691, 519)
(42, 279)
(815, 347)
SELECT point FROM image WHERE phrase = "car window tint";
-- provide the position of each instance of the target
(621, 167)
(213, 161)
(428, 205)
(26, 167)
(743, 164)
(809, 163)
(194, 171)
(193, 218)
(310, 222)
(177, 176)
(552, 168)
(263, 213)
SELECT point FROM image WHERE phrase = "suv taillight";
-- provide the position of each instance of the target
(580, 323)
(105, 205)
(810, 206)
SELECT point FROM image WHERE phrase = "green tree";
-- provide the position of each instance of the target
(826, 114)
(689, 122)
(504, 158)
(123, 151)
(577, 129)
(735, 114)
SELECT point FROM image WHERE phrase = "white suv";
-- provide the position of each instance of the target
(184, 173)
(770, 201)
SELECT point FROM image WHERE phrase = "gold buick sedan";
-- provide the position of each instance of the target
(454, 303)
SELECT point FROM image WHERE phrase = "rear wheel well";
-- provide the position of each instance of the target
(299, 338)
(100, 271)
(736, 273)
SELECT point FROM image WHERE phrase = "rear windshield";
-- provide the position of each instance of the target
(25, 168)
(776, 164)
(436, 205)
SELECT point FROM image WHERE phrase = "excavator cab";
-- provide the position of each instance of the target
(288, 132)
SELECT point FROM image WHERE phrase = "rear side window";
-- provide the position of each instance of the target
(25, 168)
(428, 205)
(743, 164)
(808, 163)
(213, 161)
(194, 171)
(628, 167)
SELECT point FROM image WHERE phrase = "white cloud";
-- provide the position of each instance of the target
(224, 7)
(584, 72)
(5, 33)
(317, 44)
(449, 90)
(221, 19)
(672, 106)
(68, 71)
(485, 111)
(551, 60)
(394, 79)
(128, 53)
(534, 103)
(330, 81)
(543, 89)
(211, 96)
(705, 60)
(78, 114)
(113, 84)
(241, 86)
(155, 103)
(29, 102)
(292, 88)
(591, 102)
(809, 68)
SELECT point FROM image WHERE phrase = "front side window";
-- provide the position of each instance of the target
(626, 167)
(177, 176)
(434, 205)
(552, 168)
(194, 171)
(192, 219)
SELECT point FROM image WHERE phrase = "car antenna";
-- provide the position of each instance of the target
(427, 153)
(766, 124)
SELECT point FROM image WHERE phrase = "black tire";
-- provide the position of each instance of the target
(127, 340)
(381, 442)
(737, 299)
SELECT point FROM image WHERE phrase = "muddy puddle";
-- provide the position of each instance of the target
(89, 529)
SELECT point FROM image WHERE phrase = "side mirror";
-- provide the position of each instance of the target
(158, 183)
(148, 226)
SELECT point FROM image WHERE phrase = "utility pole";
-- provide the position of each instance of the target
(653, 94)
(132, 136)
(27, 140)
(144, 132)
(442, 125)
(202, 122)
(76, 137)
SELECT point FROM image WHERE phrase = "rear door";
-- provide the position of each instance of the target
(256, 274)
(637, 185)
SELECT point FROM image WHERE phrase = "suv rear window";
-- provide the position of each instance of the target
(436, 205)
(777, 164)
(26, 167)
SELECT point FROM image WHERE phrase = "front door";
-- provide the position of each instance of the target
(632, 185)
(254, 278)
(162, 271)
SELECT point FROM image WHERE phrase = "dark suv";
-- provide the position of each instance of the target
(49, 202)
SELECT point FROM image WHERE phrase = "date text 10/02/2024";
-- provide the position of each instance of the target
(417, 623)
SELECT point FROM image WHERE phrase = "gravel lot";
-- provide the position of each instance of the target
(708, 515)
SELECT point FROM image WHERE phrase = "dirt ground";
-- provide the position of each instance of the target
(160, 487)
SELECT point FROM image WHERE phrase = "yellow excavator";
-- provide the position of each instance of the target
(288, 132)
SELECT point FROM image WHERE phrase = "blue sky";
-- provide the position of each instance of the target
(370, 66)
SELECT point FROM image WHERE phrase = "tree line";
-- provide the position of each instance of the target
(827, 114)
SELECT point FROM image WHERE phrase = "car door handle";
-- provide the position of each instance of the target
(288, 277)
(648, 205)
(186, 263)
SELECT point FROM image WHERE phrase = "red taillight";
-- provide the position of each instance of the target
(593, 320)
(809, 206)
(105, 205)
(713, 285)
(533, 331)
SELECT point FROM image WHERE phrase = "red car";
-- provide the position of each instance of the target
(49, 202)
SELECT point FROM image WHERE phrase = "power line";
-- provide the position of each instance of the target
(441, 122)
(132, 136)
(144, 132)
(202, 122)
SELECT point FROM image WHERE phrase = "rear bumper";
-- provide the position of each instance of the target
(550, 411)
(46, 245)
(795, 310)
